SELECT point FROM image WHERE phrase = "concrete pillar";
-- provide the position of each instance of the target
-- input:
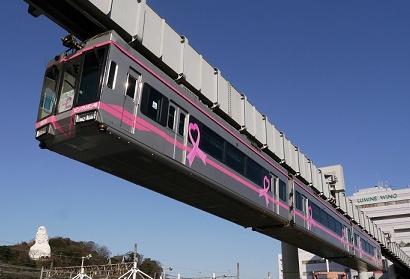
(290, 261)
(363, 274)
(391, 272)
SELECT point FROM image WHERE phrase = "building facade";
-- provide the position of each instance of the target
(389, 209)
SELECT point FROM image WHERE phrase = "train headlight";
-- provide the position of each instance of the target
(86, 116)
(42, 131)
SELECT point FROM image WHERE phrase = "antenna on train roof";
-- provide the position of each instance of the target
(71, 42)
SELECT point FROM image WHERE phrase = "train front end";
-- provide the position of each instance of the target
(69, 102)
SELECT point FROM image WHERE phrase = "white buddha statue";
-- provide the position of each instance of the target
(41, 249)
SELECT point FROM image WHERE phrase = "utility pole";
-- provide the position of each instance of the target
(135, 251)
(82, 274)
(132, 273)
(237, 270)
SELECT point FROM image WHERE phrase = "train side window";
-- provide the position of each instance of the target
(131, 86)
(255, 172)
(154, 105)
(234, 158)
(212, 143)
(282, 190)
(171, 117)
(112, 75)
(298, 201)
(324, 218)
(181, 125)
(315, 212)
(332, 224)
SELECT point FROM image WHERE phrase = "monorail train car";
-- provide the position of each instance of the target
(107, 106)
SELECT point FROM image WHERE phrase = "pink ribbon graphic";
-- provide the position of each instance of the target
(309, 219)
(264, 192)
(195, 151)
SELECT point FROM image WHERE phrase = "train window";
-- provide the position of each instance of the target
(181, 125)
(67, 94)
(255, 172)
(324, 218)
(49, 96)
(333, 224)
(171, 117)
(212, 143)
(337, 227)
(282, 190)
(154, 105)
(298, 201)
(234, 158)
(90, 77)
(112, 75)
(131, 86)
(315, 212)
(366, 247)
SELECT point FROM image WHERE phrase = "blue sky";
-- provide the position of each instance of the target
(333, 75)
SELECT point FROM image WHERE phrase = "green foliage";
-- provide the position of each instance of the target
(16, 255)
(151, 267)
(66, 252)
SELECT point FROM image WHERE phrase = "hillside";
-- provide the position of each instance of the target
(15, 262)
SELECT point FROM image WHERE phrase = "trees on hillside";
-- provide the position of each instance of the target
(66, 252)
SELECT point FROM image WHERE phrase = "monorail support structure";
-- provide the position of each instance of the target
(363, 274)
(290, 261)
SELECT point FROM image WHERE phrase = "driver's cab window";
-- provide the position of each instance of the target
(67, 95)
(49, 96)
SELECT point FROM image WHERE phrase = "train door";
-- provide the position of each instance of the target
(307, 211)
(130, 101)
(283, 198)
(358, 245)
(275, 192)
(177, 118)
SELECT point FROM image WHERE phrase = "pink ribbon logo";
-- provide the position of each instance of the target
(195, 151)
(309, 219)
(264, 192)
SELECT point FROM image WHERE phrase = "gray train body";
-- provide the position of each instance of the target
(109, 107)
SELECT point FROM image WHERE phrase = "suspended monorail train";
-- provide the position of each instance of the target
(107, 106)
